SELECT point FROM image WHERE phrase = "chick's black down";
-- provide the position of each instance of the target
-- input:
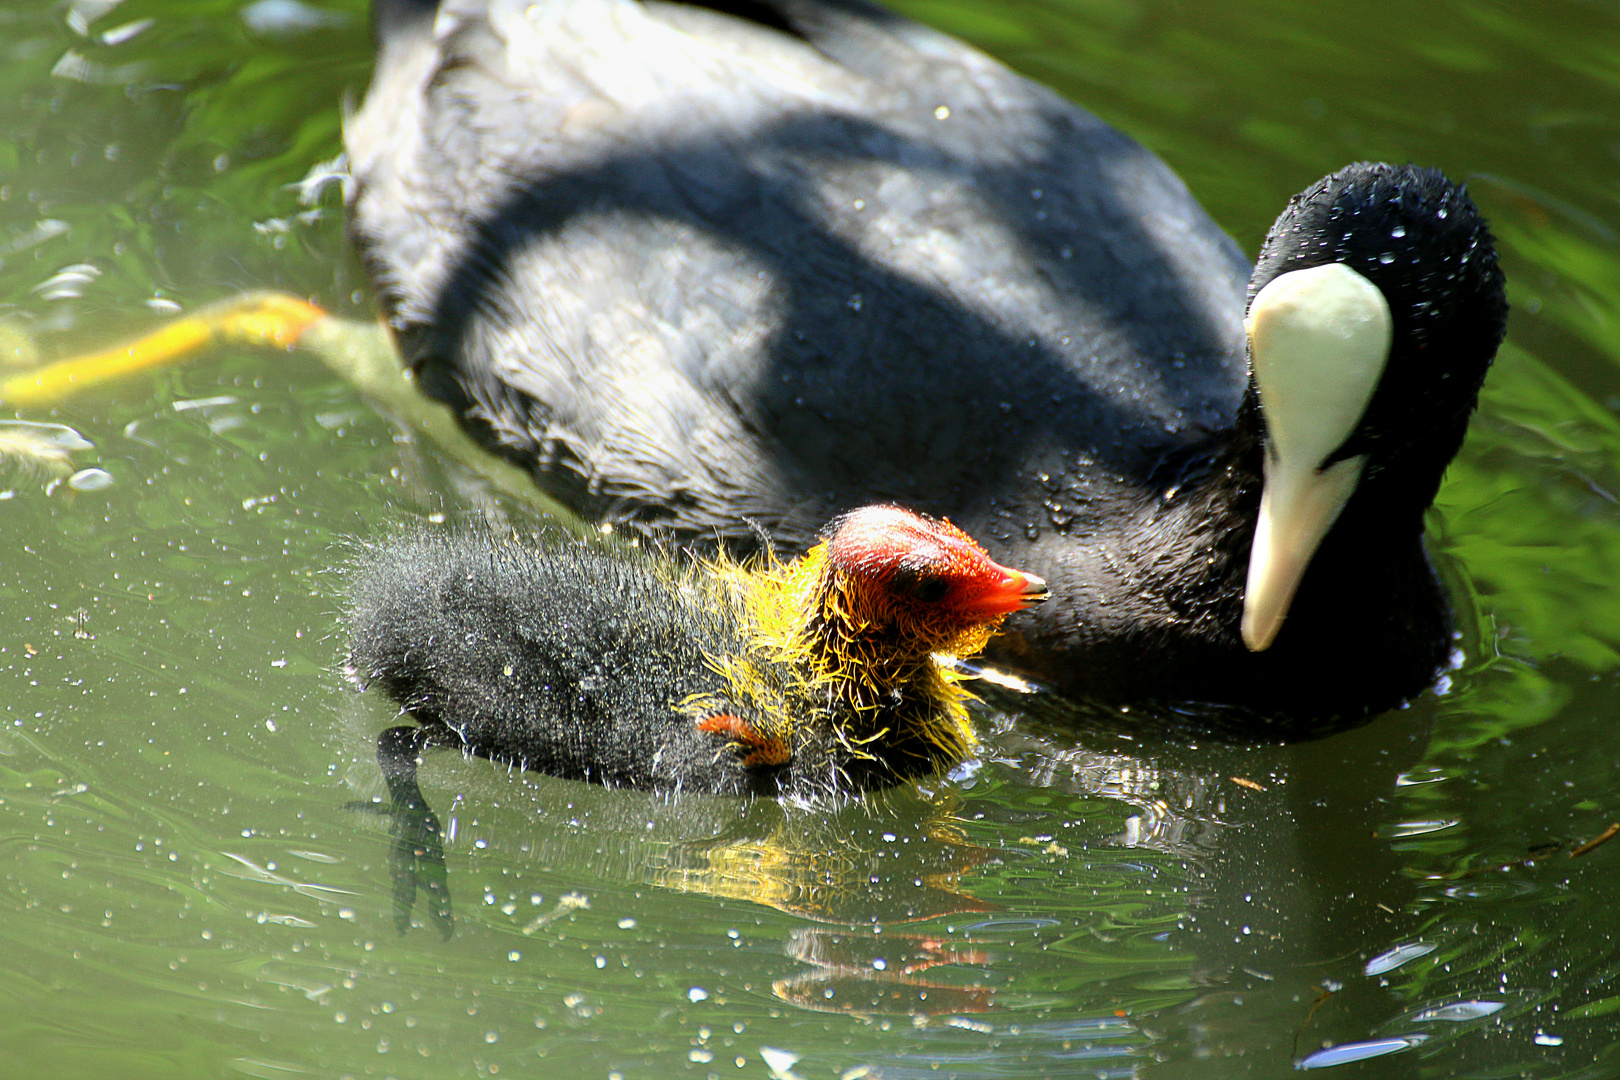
(566, 660)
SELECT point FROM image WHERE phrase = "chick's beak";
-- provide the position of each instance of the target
(1015, 591)
(1032, 588)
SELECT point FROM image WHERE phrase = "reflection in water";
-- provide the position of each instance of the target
(1292, 888)
(822, 873)
(885, 974)
(1249, 899)
(1274, 892)
(791, 858)
(1400, 954)
(880, 865)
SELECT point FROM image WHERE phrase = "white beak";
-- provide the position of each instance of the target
(1318, 343)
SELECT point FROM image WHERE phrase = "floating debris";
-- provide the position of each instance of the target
(569, 903)
(1602, 838)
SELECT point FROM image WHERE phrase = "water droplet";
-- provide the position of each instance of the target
(1398, 231)
(855, 302)
(778, 1061)
(1345, 1053)
(1458, 1012)
(1397, 956)
(943, 112)
(1441, 213)
(1386, 258)
(55, 437)
(90, 480)
(1032, 532)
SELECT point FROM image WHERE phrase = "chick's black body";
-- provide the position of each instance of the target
(641, 671)
(568, 661)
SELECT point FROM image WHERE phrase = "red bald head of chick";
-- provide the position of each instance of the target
(918, 583)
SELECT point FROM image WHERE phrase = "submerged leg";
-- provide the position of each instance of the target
(416, 856)
(256, 318)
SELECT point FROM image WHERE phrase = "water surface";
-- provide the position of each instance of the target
(189, 890)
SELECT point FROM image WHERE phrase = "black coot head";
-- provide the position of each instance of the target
(1419, 239)
(1375, 310)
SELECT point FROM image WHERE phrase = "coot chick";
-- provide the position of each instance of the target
(828, 674)
(701, 263)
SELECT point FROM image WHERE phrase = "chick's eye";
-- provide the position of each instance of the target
(921, 586)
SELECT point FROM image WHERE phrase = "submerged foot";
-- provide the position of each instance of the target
(416, 852)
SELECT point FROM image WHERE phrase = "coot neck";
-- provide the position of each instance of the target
(1377, 538)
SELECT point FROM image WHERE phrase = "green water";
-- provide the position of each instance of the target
(187, 890)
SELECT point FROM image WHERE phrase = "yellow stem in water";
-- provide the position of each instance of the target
(260, 319)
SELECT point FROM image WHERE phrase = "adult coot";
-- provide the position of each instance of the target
(699, 265)
(829, 674)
